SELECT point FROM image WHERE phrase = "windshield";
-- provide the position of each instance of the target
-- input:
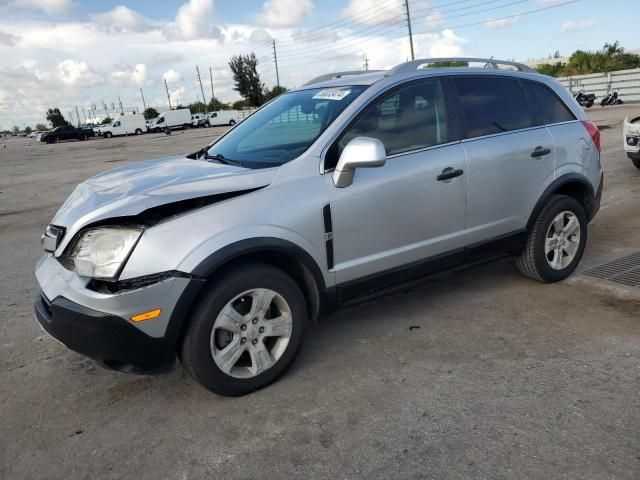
(283, 129)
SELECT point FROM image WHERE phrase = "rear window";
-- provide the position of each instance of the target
(550, 107)
(493, 105)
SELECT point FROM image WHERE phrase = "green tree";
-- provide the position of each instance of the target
(216, 105)
(106, 121)
(448, 64)
(553, 70)
(273, 93)
(28, 130)
(197, 107)
(15, 130)
(41, 127)
(240, 104)
(150, 113)
(246, 78)
(55, 117)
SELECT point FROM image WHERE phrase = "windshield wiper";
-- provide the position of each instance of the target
(218, 157)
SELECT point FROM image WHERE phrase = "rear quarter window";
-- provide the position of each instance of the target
(550, 108)
(493, 105)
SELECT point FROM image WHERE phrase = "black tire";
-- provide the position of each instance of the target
(232, 123)
(195, 349)
(185, 126)
(138, 131)
(49, 140)
(107, 134)
(207, 124)
(590, 103)
(635, 159)
(533, 262)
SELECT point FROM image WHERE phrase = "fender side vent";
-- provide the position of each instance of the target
(328, 234)
(624, 270)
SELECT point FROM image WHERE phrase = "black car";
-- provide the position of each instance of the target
(67, 132)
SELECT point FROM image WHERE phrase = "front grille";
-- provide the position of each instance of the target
(624, 270)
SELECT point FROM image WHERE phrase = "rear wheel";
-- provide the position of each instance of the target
(232, 123)
(185, 126)
(556, 242)
(108, 135)
(246, 331)
(138, 131)
(635, 159)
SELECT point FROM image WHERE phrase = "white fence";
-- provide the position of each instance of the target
(626, 82)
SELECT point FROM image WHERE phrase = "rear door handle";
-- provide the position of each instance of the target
(540, 152)
(449, 173)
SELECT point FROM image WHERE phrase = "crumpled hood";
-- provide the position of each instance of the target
(129, 190)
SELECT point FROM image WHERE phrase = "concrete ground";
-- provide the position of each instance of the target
(502, 378)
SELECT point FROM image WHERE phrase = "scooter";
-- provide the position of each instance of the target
(585, 99)
(611, 99)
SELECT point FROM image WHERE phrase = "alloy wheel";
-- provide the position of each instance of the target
(251, 333)
(562, 241)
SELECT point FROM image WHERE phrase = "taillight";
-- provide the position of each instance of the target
(592, 128)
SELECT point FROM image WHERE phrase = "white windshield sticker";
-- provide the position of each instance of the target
(332, 94)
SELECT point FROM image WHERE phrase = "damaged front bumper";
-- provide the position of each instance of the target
(98, 325)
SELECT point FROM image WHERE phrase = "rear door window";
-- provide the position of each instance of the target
(493, 105)
(550, 108)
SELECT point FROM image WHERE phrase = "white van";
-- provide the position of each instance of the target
(224, 117)
(125, 125)
(173, 119)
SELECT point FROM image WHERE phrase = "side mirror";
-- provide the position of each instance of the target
(361, 152)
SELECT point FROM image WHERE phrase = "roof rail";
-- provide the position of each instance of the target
(331, 76)
(414, 65)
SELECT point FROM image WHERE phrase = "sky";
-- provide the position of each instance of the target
(73, 53)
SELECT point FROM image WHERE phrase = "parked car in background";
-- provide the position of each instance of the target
(631, 139)
(224, 117)
(149, 122)
(131, 124)
(172, 119)
(67, 132)
(329, 194)
(198, 119)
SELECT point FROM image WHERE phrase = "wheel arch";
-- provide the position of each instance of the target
(573, 185)
(281, 254)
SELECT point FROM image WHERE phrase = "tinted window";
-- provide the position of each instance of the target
(493, 105)
(407, 119)
(550, 107)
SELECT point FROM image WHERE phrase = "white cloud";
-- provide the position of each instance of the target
(177, 96)
(282, 13)
(259, 36)
(51, 7)
(122, 18)
(131, 76)
(80, 74)
(502, 22)
(571, 26)
(194, 20)
(7, 39)
(171, 76)
(372, 12)
(164, 57)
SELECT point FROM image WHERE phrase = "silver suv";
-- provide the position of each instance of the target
(349, 186)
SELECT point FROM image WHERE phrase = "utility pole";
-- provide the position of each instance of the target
(406, 6)
(167, 89)
(366, 63)
(84, 114)
(213, 98)
(78, 115)
(120, 102)
(275, 59)
(144, 104)
(106, 109)
(204, 100)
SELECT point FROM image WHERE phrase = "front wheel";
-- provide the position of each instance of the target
(556, 242)
(590, 103)
(246, 331)
(108, 135)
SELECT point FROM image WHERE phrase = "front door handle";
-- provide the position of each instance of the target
(449, 173)
(540, 152)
